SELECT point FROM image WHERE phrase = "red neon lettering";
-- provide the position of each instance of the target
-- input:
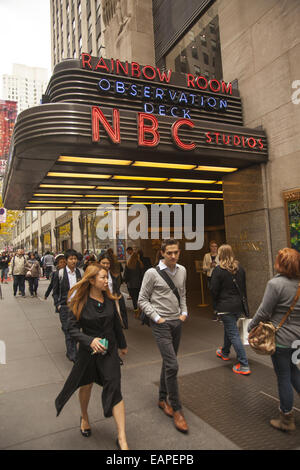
(190, 80)
(153, 72)
(112, 64)
(243, 141)
(113, 133)
(175, 127)
(236, 140)
(120, 65)
(218, 85)
(143, 129)
(226, 141)
(86, 59)
(260, 144)
(163, 76)
(208, 137)
(102, 65)
(253, 142)
(205, 81)
(227, 88)
(217, 137)
(135, 67)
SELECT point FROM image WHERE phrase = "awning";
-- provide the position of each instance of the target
(86, 147)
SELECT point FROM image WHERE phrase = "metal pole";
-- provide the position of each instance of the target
(202, 292)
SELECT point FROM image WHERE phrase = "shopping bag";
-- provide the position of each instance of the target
(243, 329)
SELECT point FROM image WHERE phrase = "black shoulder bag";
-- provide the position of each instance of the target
(243, 298)
(143, 317)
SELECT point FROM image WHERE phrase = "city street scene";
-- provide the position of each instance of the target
(150, 227)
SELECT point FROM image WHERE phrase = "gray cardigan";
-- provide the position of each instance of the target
(157, 299)
(277, 299)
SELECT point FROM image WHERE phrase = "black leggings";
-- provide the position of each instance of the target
(134, 294)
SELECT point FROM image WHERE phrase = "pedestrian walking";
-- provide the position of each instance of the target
(210, 261)
(93, 319)
(63, 281)
(116, 267)
(48, 264)
(33, 272)
(60, 263)
(17, 270)
(133, 276)
(228, 287)
(114, 287)
(278, 297)
(4, 261)
(163, 299)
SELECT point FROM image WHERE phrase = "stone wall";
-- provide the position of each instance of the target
(260, 45)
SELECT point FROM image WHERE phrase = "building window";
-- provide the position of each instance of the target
(199, 48)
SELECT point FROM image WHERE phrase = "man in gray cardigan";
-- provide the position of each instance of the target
(167, 313)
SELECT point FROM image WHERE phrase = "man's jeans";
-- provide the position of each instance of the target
(19, 281)
(167, 336)
(48, 271)
(4, 272)
(288, 376)
(232, 338)
(70, 342)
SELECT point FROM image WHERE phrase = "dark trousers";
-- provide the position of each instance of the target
(134, 294)
(4, 272)
(33, 285)
(48, 271)
(19, 282)
(70, 342)
(167, 336)
(288, 377)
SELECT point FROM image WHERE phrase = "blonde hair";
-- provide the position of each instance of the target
(82, 289)
(227, 259)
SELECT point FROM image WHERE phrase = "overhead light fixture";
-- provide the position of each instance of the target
(50, 202)
(224, 169)
(120, 188)
(169, 190)
(150, 197)
(215, 198)
(55, 174)
(206, 191)
(95, 202)
(57, 195)
(184, 180)
(138, 178)
(193, 198)
(102, 195)
(68, 186)
(45, 207)
(174, 166)
(96, 161)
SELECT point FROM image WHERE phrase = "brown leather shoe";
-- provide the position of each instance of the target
(180, 422)
(167, 409)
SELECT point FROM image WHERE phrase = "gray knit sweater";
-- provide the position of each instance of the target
(157, 299)
(277, 299)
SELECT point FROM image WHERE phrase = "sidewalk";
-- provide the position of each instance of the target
(36, 368)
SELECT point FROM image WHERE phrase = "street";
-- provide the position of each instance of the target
(36, 368)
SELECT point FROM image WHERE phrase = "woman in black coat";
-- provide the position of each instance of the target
(94, 317)
(228, 288)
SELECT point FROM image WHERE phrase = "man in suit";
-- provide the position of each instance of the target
(63, 281)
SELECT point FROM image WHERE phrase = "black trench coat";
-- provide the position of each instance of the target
(96, 321)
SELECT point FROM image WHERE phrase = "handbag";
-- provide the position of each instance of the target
(262, 337)
(145, 320)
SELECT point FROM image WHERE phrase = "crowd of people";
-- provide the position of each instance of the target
(92, 311)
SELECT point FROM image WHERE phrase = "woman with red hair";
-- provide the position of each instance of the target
(94, 318)
(278, 297)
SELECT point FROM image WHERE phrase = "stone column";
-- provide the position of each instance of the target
(128, 32)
